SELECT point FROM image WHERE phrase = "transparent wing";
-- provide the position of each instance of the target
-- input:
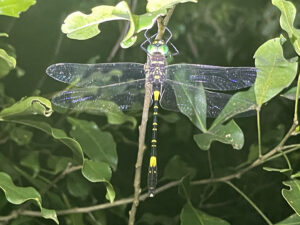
(127, 96)
(213, 77)
(83, 75)
(215, 101)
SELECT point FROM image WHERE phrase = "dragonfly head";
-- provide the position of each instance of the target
(158, 46)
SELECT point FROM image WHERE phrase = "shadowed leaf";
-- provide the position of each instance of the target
(96, 144)
(18, 195)
(191, 216)
(292, 195)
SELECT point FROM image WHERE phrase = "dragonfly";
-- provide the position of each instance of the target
(112, 87)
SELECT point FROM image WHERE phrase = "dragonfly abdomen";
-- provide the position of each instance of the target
(152, 171)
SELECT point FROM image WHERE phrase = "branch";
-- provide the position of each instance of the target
(141, 150)
(162, 23)
(143, 197)
(124, 31)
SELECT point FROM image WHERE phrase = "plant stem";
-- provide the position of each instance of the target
(141, 150)
(143, 197)
(297, 101)
(250, 202)
(162, 23)
(258, 131)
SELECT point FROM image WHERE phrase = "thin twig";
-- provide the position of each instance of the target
(258, 131)
(123, 33)
(142, 197)
(162, 23)
(141, 150)
(250, 202)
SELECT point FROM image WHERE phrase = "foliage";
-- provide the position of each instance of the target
(80, 166)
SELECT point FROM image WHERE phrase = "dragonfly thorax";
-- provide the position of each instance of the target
(156, 68)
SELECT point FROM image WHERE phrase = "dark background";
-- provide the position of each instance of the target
(216, 32)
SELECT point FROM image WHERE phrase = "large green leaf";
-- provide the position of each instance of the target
(240, 102)
(7, 62)
(96, 144)
(57, 134)
(14, 7)
(154, 5)
(291, 220)
(18, 195)
(21, 135)
(274, 72)
(81, 26)
(292, 195)
(191, 102)
(99, 172)
(229, 133)
(191, 216)
(27, 106)
(287, 19)
(78, 186)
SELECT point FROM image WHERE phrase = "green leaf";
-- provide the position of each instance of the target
(191, 102)
(286, 172)
(14, 7)
(18, 195)
(78, 186)
(274, 72)
(32, 161)
(21, 136)
(27, 106)
(292, 195)
(291, 93)
(176, 169)
(296, 175)
(81, 26)
(229, 133)
(57, 134)
(191, 216)
(3, 35)
(7, 62)
(98, 145)
(291, 220)
(58, 163)
(154, 5)
(287, 19)
(240, 102)
(99, 172)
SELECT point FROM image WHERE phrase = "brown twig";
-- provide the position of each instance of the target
(142, 197)
(124, 31)
(162, 23)
(141, 150)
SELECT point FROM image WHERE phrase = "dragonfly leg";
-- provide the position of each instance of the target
(170, 33)
(176, 51)
(142, 46)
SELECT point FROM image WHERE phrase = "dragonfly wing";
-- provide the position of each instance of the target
(215, 101)
(213, 77)
(83, 75)
(127, 96)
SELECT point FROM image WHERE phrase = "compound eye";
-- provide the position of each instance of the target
(151, 49)
(163, 49)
